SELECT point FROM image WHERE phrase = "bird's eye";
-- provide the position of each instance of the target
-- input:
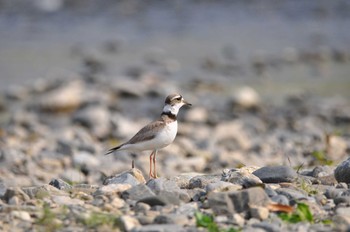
(178, 98)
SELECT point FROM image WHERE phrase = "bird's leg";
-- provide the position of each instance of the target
(154, 165)
(150, 165)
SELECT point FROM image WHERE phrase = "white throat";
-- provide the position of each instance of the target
(173, 109)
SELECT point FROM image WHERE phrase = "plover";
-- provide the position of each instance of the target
(157, 134)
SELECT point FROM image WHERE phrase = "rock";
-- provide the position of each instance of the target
(128, 223)
(133, 177)
(238, 201)
(85, 159)
(336, 149)
(66, 200)
(292, 194)
(280, 199)
(112, 189)
(172, 218)
(276, 174)
(221, 186)
(96, 118)
(342, 172)
(187, 209)
(141, 207)
(259, 212)
(203, 180)
(138, 193)
(3, 189)
(267, 226)
(321, 171)
(240, 177)
(246, 97)
(168, 189)
(60, 184)
(161, 228)
(73, 176)
(232, 136)
(183, 180)
(43, 191)
(63, 97)
(197, 115)
(15, 192)
(22, 215)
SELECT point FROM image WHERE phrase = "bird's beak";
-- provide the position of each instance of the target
(187, 103)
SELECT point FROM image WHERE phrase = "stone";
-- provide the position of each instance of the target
(66, 96)
(246, 97)
(342, 172)
(133, 177)
(292, 194)
(167, 189)
(336, 147)
(221, 186)
(240, 177)
(60, 184)
(183, 180)
(267, 226)
(22, 215)
(344, 211)
(280, 199)
(161, 228)
(197, 115)
(172, 218)
(96, 118)
(138, 192)
(85, 159)
(202, 181)
(66, 200)
(141, 207)
(15, 192)
(237, 201)
(128, 223)
(259, 212)
(112, 189)
(276, 174)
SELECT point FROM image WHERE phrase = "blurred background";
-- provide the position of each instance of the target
(277, 47)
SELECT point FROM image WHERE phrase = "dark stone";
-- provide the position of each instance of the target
(202, 181)
(137, 193)
(276, 174)
(60, 184)
(342, 172)
(238, 201)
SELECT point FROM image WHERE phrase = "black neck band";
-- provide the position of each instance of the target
(170, 115)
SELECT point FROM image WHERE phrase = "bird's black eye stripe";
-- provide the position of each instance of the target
(178, 98)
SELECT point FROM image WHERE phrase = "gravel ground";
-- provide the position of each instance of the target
(259, 150)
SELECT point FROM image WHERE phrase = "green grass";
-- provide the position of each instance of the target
(301, 214)
(321, 158)
(207, 221)
(98, 219)
(47, 219)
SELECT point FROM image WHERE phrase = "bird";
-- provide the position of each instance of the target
(157, 134)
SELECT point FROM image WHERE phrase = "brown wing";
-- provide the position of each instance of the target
(148, 132)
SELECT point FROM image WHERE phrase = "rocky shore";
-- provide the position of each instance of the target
(237, 164)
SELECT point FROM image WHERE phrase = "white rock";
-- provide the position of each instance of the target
(129, 223)
(23, 215)
(246, 97)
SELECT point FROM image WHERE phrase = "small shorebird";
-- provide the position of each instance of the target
(157, 134)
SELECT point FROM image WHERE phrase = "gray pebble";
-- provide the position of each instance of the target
(276, 174)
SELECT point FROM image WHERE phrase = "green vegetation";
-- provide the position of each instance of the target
(304, 185)
(321, 158)
(96, 219)
(301, 214)
(207, 221)
(48, 219)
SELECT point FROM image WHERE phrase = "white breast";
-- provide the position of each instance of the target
(165, 137)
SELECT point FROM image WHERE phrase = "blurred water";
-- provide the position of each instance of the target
(42, 42)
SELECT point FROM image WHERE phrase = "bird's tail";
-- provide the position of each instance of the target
(113, 149)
